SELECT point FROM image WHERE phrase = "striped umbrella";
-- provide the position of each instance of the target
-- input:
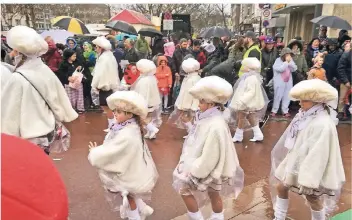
(70, 24)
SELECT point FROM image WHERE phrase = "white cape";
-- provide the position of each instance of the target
(185, 101)
(105, 73)
(24, 113)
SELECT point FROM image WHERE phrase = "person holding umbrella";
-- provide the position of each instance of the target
(323, 38)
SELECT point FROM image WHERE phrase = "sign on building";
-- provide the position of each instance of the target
(168, 25)
(266, 16)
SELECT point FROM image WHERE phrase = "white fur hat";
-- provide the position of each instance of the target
(102, 42)
(212, 89)
(314, 90)
(210, 48)
(146, 66)
(251, 63)
(26, 41)
(129, 101)
(190, 65)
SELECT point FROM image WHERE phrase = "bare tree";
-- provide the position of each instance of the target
(11, 11)
(221, 8)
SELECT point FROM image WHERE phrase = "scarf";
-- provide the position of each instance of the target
(116, 127)
(299, 122)
(315, 51)
(214, 111)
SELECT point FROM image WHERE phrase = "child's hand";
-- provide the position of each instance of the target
(71, 79)
(92, 145)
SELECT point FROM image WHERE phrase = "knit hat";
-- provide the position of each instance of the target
(295, 42)
(314, 90)
(190, 65)
(26, 41)
(212, 89)
(250, 34)
(146, 67)
(68, 53)
(251, 63)
(102, 42)
(262, 37)
(128, 101)
(285, 51)
(31, 186)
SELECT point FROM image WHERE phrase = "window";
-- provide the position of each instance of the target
(18, 22)
(40, 26)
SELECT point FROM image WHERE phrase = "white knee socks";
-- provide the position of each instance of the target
(195, 215)
(281, 207)
(318, 215)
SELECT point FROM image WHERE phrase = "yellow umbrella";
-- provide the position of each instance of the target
(70, 24)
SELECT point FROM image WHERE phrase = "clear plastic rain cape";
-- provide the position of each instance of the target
(255, 104)
(308, 154)
(209, 160)
(138, 179)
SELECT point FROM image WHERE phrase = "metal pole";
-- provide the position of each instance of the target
(260, 25)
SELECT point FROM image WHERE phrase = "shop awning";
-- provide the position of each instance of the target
(277, 22)
(293, 8)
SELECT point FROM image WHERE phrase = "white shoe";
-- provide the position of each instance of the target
(146, 211)
(258, 134)
(238, 136)
(153, 134)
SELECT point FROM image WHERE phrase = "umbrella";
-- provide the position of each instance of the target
(332, 22)
(59, 36)
(121, 26)
(149, 32)
(70, 24)
(215, 32)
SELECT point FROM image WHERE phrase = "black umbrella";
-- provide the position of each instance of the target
(121, 26)
(332, 22)
(149, 32)
(216, 32)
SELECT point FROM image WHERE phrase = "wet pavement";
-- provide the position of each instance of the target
(86, 195)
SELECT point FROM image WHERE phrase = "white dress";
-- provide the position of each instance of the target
(124, 163)
(185, 102)
(209, 160)
(308, 154)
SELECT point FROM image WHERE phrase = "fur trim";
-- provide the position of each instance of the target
(102, 42)
(146, 66)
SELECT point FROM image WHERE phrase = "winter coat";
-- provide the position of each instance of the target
(66, 70)
(213, 60)
(79, 53)
(142, 46)
(131, 55)
(331, 61)
(301, 63)
(344, 68)
(52, 58)
(158, 47)
(163, 74)
(178, 57)
(119, 54)
(310, 53)
(268, 60)
(224, 70)
(236, 53)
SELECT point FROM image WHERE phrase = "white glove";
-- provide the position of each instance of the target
(305, 191)
(92, 145)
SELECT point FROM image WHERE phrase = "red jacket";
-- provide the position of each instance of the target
(52, 58)
(129, 77)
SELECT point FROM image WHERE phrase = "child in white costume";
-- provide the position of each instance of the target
(123, 144)
(147, 86)
(186, 105)
(307, 158)
(249, 101)
(208, 166)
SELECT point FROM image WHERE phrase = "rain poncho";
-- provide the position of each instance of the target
(125, 165)
(209, 160)
(249, 96)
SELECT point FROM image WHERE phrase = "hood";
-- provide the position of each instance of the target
(74, 40)
(162, 58)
